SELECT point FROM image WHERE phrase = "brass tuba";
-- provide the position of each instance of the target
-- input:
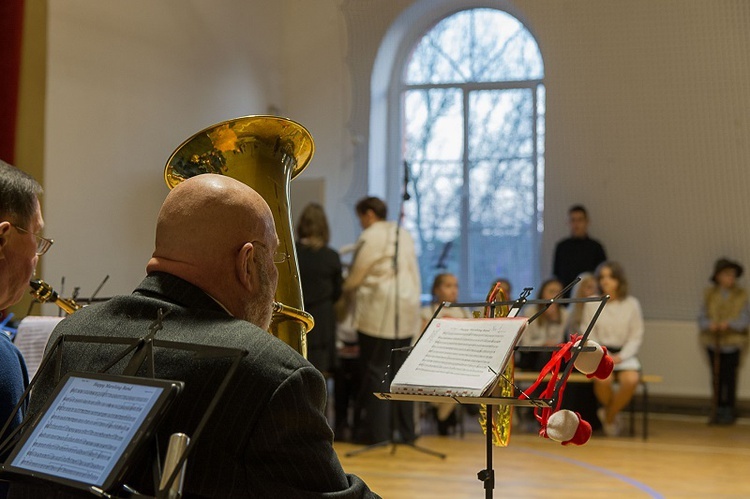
(266, 153)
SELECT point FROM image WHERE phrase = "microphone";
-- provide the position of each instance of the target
(406, 181)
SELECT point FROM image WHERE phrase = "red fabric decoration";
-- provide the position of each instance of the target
(564, 426)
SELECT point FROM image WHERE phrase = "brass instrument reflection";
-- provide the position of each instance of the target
(43, 293)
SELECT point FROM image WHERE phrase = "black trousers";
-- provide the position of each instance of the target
(382, 420)
(724, 376)
(346, 389)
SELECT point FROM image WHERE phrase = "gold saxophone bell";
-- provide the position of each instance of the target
(502, 418)
(266, 153)
(43, 293)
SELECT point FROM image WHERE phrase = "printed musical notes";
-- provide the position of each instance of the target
(459, 357)
(85, 431)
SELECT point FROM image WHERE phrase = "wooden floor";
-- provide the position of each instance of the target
(683, 458)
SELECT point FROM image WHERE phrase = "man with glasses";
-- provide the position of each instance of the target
(212, 278)
(20, 248)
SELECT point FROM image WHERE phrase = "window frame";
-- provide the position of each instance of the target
(392, 176)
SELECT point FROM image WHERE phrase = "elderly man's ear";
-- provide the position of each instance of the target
(4, 231)
(246, 267)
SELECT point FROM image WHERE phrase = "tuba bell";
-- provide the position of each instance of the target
(265, 153)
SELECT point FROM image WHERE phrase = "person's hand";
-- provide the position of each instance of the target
(616, 358)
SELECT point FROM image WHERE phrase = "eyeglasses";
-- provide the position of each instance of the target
(278, 257)
(42, 243)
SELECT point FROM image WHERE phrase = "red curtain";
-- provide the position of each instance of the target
(11, 31)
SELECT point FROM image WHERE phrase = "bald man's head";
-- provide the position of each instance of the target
(208, 232)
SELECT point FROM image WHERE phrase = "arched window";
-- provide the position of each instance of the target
(472, 111)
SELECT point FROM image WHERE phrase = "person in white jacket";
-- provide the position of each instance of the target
(381, 325)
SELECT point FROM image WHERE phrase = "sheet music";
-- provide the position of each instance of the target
(31, 339)
(85, 432)
(459, 356)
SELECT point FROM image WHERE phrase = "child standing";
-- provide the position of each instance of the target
(723, 321)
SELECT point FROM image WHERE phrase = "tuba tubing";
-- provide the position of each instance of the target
(265, 153)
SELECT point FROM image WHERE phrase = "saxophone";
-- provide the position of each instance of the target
(502, 417)
(43, 293)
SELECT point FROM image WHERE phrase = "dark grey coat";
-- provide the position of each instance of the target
(268, 436)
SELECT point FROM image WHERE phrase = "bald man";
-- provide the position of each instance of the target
(213, 273)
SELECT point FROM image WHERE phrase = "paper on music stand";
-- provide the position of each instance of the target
(459, 357)
(33, 334)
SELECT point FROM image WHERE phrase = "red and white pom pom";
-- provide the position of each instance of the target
(597, 364)
(568, 428)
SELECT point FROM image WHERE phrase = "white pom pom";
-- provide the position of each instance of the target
(588, 362)
(562, 425)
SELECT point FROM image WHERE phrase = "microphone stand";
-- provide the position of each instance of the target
(393, 442)
(440, 265)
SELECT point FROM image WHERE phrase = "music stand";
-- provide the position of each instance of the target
(487, 475)
(91, 429)
(142, 350)
(392, 441)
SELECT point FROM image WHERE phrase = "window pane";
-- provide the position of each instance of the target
(501, 225)
(501, 124)
(434, 124)
(433, 148)
(433, 216)
(502, 186)
(477, 45)
(476, 207)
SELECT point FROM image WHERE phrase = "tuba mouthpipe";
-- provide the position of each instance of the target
(294, 314)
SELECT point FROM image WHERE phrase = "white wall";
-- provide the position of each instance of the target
(317, 87)
(671, 349)
(127, 83)
(647, 124)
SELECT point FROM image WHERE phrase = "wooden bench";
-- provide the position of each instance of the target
(576, 377)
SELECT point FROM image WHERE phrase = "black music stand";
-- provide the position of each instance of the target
(487, 475)
(392, 441)
(142, 350)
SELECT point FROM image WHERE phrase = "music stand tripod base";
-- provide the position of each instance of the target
(394, 443)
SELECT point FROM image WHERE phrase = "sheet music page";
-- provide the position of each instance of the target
(33, 334)
(459, 356)
(82, 436)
